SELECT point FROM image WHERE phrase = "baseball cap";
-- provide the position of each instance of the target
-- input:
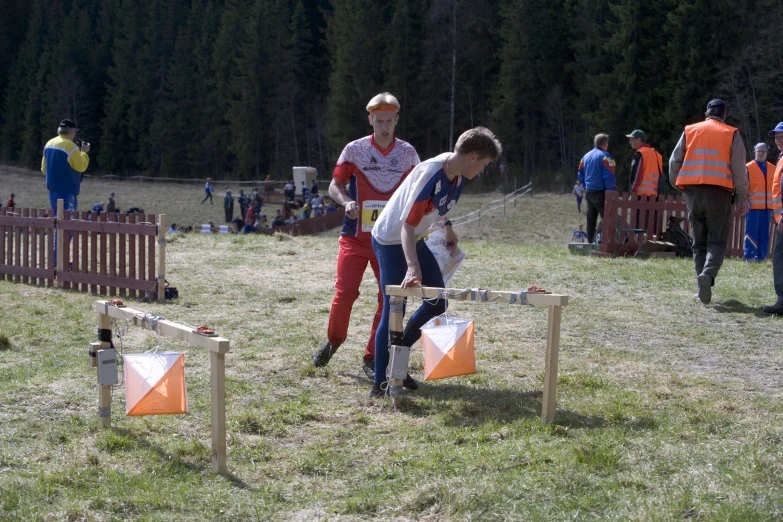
(761, 145)
(778, 128)
(717, 103)
(637, 134)
(67, 124)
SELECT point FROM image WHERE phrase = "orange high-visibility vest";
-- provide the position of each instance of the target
(707, 155)
(760, 189)
(777, 207)
(650, 172)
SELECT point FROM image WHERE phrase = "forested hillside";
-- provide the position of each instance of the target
(244, 88)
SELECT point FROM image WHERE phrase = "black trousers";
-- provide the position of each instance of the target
(709, 211)
(595, 208)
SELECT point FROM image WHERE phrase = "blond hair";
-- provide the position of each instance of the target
(384, 98)
(481, 141)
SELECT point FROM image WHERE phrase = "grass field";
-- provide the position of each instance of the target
(181, 202)
(667, 409)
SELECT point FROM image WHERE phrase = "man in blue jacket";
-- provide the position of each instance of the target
(63, 163)
(596, 172)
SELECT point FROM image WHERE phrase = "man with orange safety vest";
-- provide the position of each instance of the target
(646, 166)
(777, 211)
(760, 173)
(708, 165)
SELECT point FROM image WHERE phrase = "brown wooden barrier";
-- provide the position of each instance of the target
(27, 246)
(107, 254)
(309, 226)
(626, 211)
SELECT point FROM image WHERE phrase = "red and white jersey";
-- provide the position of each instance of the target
(372, 175)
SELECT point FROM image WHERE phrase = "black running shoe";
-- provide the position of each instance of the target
(410, 383)
(369, 368)
(377, 391)
(324, 354)
(776, 309)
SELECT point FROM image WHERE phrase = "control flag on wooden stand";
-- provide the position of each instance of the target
(155, 383)
(448, 348)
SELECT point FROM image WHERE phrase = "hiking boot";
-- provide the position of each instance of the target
(705, 288)
(324, 354)
(377, 391)
(410, 383)
(776, 309)
(369, 368)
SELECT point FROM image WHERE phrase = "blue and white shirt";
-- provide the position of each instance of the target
(422, 200)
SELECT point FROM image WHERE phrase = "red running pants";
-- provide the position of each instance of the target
(351, 264)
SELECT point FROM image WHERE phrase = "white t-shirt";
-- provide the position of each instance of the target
(423, 199)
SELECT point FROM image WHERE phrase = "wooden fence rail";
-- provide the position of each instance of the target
(626, 211)
(27, 246)
(102, 253)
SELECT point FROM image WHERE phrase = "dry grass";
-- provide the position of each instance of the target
(551, 220)
(667, 409)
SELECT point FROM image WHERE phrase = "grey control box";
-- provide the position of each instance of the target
(107, 367)
(398, 365)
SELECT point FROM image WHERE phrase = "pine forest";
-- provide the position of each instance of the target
(242, 89)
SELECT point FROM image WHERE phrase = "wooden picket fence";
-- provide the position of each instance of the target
(625, 211)
(309, 226)
(27, 246)
(107, 254)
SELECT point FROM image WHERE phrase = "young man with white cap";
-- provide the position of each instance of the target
(760, 174)
(367, 174)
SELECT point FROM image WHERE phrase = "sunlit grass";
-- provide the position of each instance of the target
(667, 409)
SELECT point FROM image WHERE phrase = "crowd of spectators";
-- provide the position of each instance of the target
(295, 207)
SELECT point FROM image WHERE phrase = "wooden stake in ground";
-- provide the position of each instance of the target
(554, 302)
(161, 257)
(218, 348)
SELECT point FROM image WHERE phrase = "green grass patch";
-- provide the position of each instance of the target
(667, 409)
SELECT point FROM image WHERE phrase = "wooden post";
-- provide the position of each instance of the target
(218, 378)
(18, 250)
(504, 205)
(60, 240)
(396, 308)
(104, 395)
(162, 257)
(548, 402)
(515, 191)
(554, 302)
(104, 406)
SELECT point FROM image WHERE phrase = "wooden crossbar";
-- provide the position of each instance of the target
(471, 294)
(554, 302)
(218, 347)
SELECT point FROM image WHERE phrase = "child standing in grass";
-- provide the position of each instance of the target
(579, 192)
(208, 190)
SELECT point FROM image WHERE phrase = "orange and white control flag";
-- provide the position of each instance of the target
(448, 348)
(155, 383)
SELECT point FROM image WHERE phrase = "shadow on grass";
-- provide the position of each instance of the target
(175, 461)
(733, 306)
(462, 405)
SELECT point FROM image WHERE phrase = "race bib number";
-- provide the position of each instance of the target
(370, 212)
